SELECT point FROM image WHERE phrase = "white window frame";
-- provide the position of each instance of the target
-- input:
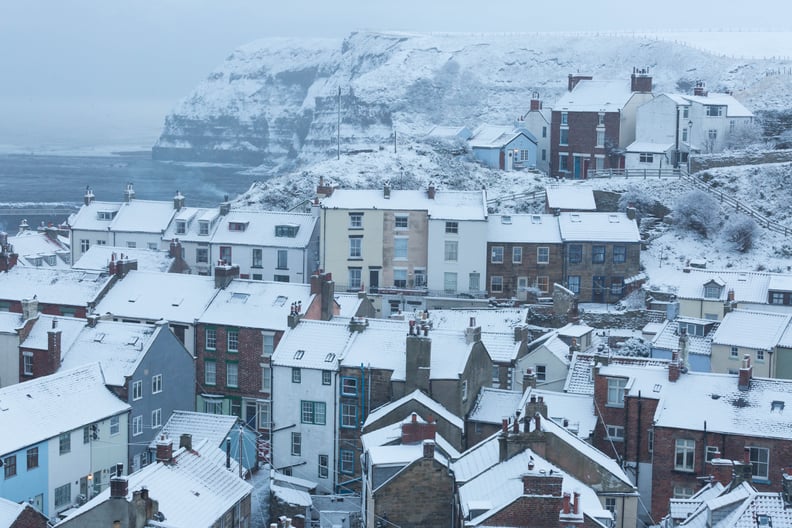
(137, 390)
(232, 374)
(401, 222)
(210, 374)
(156, 384)
(496, 284)
(27, 363)
(400, 244)
(355, 247)
(517, 255)
(156, 418)
(615, 433)
(496, 255)
(137, 425)
(355, 220)
(760, 462)
(685, 455)
(616, 392)
(543, 255)
(451, 251)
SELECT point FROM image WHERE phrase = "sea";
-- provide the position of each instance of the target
(43, 188)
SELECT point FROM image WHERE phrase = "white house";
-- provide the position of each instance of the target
(537, 122)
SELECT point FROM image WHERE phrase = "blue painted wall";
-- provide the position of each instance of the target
(697, 362)
(27, 483)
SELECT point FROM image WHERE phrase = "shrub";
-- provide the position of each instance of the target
(697, 211)
(637, 198)
(740, 232)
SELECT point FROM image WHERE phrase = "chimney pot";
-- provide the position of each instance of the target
(576, 505)
(566, 503)
(164, 450)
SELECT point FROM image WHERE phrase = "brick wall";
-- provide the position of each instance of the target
(529, 267)
(29, 518)
(587, 270)
(582, 139)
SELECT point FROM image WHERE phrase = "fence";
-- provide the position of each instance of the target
(637, 173)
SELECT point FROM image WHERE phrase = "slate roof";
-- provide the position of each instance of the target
(260, 229)
(748, 286)
(526, 228)
(45, 407)
(446, 205)
(202, 426)
(667, 337)
(489, 319)
(9, 512)
(437, 409)
(311, 343)
(759, 330)
(497, 136)
(580, 378)
(598, 227)
(646, 146)
(576, 410)
(492, 405)
(595, 96)
(741, 507)
(33, 247)
(734, 107)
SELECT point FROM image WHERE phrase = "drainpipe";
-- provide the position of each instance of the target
(637, 441)
(362, 395)
(704, 447)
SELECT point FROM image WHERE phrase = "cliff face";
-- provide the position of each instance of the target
(275, 102)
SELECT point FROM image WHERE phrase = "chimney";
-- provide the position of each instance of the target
(294, 316)
(472, 332)
(358, 324)
(575, 79)
(53, 348)
(503, 439)
(323, 190)
(565, 509)
(745, 375)
(185, 441)
(730, 295)
(178, 200)
(428, 449)
(228, 453)
(124, 265)
(327, 301)
(225, 206)
(416, 431)
(536, 406)
(536, 104)
(520, 334)
(224, 274)
(111, 266)
(543, 483)
(92, 320)
(88, 197)
(431, 191)
(418, 359)
(631, 213)
(164, 450)
(175, 250)
(129, 193)
(529, 379)
(119, 486)
(673, 367)
(641, 81)
(722, 470)
(29, 309)
(700, 89)
(386, 191)
(786, 487)
(316, 283)
(516, 423)
(576, 504)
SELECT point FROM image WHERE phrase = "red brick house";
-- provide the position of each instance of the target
(593, 122)
(20, 515)
(668, 427)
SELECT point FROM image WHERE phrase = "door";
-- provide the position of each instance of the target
(250, 414)
(585, 168)
(373, 280)
(598, 289)
(576, 168)
(502, 160)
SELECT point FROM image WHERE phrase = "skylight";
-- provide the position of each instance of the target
(613, 219)
(299, 354)
(574, 217)
(329, 357)
(280, 300)
(240, 298)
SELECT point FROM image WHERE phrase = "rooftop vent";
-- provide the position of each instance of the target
(574, 217)
(776, 406)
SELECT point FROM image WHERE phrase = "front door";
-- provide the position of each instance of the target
(576, 169)
(598, 289)
(373, 280)
(250, 414)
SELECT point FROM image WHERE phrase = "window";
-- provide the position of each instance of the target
(474, 281)
(711, 453)
(419, 277)
(615, 433)
(543, 283)
(712, 291)
(522, 283)
(564, 140)
(349, 386)
(232, 339)
(541, 372)
(131, 245)
(258, 258)
(542, 255)
(137, 390)
(760, 462)
(400, 248)
(156, 384)
(280, 278)
(685, 112)
(712, 134)
(496, 284)
(266, 378)
(312, 412)
(225, 254)
(203, 227)
(734, 353)
(573, 283)
(451, 249)
(496, 257)
(760, 355)
(27, 363)
(355, 275)
(268, 344)
(650, 440)
(683, 491)
(517, 255)
(137, 425)
(153, 246)
(211, 338)
(9, 466)
(563, 163)
(355, 247)
(63, 495)
(616, 391)
(600, 138)
(400, 277)
(323, 466)
(213, 406)
(714, 110)
(684, 134)
(646, 157)
(210, 372)
(237, 226)
(355, 220)
(115, 425)
(776, 298)
(450, 282)
(181, 227)
(601, 119)
(544, 154)
(202, 255)
(327, 377)
(87, 434)
(283, 259)
(64, 443)
(619, 254)
(452, 228)
(544, 131)
(401, 222)
(156, 418)
(684, 454)
(464, 390)
(296, 375)
(575, 254)
(616, 286)
(610, 504)
(348, 415)
(288, 230)
(598, 254)
(347, 463)
(564, 118)
(232, 374)
(296, 444)
(85, 245)
(263, 409)
(32, 458)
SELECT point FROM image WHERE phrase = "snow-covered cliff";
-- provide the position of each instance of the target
(274, 102)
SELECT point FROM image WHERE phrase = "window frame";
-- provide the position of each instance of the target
(27, 363)
(496, 254)
(64, 443)
(543, 255)
(62, 495)
(137, 390)
(156, 384)
(496, 284)
(619, 254)
(355, 247)
(575, 253)
(313, 412)
(686, 449)
(616, 392)
(614, 433)
(349, 386)
(257, 258)
(323, 466)
(517, 255)
(573, 283)
(452, 228)
(345, 458)
(296, 443)
(212, 381)
(137, 425)
(756, 462)
(400, 247)
(210, 338)
(232, 340)
(451, 251)
(401, 221)
(32, 458)
(355, 220)
(115, 425)
(349, 412)
(296, 375)
(598, 253)
(156, 418)
(232, 367)
(10, 466)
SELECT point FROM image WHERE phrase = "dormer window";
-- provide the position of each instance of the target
(181, 227)
(105, 215)
(203, 227)
(287, 230)
(712, 291)
(237, 226)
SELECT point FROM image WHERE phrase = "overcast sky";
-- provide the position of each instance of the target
(127, 62)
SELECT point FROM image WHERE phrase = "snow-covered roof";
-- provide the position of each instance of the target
(313, 345)
(52, 286)
(291, 496)
(529, 228)
(748, 286)
(739, 507)
(348, 303)
(391, 434)
(598, 227)
(580, 378)
(574, 410)
(449, 132)
(681, 509)
(143, 216)
(446, 205)
(667, 337)
(202, 426)
(88, 218)
(151, 296)
(118, 347)
(728, 410)
(401, 454)
(489, 319)
(39, 249)
(258, 228)
(571, 196)
(196, 490)
(497, 136)
(70, 328)
(97, 258)
(492, 405)
(437, 409)
(646, 146)
(501, 347)
(780, 283)
(191, 219)
(734, 107)
(575, 330)
(10, 322)
(558, 347)
(10, 512)
(759, 330)
(595, 96)
(45, 407)
(256, 304)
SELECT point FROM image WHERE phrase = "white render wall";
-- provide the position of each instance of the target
(316, 439)
(9, 359)
(472, 254)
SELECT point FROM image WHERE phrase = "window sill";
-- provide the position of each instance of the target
(685, 471)
(356, 259)
(615, 405)
(759, 480)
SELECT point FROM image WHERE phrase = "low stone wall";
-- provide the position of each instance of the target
(730, 159)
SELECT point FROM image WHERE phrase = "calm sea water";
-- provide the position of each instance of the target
(40, 181)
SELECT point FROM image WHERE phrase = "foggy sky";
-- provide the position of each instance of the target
(71, 67)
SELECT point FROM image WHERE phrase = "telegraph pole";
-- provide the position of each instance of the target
(338, 128)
